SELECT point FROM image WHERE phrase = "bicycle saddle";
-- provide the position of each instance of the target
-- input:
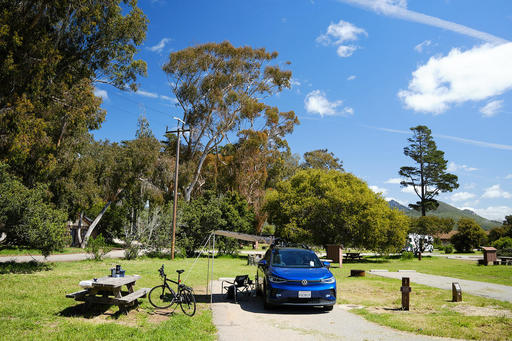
(180, 271)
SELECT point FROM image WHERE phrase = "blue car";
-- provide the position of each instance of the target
(295, 276)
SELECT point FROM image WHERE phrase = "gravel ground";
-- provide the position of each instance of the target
(247, 320)
(490, 290)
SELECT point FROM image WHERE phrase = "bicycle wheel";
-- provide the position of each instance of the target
(188, 302)
(161, 296)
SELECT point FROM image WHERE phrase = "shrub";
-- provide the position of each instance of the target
(407, 255)
(98, 247)
(505, 252)
(448, 249)
(503, 243)
(469, 235)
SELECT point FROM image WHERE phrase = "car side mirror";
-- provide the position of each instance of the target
(327, 265)
(262, 262)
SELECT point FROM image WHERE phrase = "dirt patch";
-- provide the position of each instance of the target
(159, 316)
(470, 310)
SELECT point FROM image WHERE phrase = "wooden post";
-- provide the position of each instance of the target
(456, 292)
(406, 290)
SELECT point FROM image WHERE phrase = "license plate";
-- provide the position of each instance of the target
(304, 294)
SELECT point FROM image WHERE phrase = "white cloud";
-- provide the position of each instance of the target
(509, 176)
(338, 34)
(397, 9)
(453, 167)
(472, 75)
(462, 196)
(295, 82)
(101, 93)
(491, 108)
(146, 94)
(408, 189)
(160, 46)
(351, 77)
(345, 51)
(377, 189)
(170, 99)
(497, 213)
(316, 102)
(495, 191)
(393, 181)
(453, 138)
(419, 48)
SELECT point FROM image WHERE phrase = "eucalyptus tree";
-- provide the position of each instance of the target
(428, 177)
(220, 90)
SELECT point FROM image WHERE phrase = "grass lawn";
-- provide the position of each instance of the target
(431, 312)
(15, 251)
(33, 304)
(441, 266)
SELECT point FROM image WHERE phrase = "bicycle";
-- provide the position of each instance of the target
(163, 296)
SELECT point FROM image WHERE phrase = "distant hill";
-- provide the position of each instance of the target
(448, 211)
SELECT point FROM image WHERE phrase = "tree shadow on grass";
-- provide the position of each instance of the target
(12, 267)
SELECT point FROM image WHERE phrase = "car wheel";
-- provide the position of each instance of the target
(328, 307)
(266, 304)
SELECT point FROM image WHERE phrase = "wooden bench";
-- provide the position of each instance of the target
(77, 294)
(352, 256)
(128, 299)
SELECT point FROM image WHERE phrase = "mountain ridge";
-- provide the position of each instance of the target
(448, 211)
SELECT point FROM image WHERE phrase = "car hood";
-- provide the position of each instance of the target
(301, 273)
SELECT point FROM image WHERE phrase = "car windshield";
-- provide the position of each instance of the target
(295, 259)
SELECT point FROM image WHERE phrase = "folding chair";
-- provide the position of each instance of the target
(241, 284)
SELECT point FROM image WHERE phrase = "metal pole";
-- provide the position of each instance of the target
(175, 205)
(213, 257)
(208, 271)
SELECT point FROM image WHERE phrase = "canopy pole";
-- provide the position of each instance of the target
(208, 270)
(213, 257)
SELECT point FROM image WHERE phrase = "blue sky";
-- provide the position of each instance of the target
(364, 72)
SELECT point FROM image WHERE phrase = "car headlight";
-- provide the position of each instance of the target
(275, 279)
(329, 280)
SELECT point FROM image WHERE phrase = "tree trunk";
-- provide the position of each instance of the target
(190, 187)
(79, 230)
(93, 225)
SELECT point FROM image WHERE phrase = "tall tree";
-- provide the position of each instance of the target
(321, 159)
(324, 207)
(54, 52)
(220, 89)
(429, 177)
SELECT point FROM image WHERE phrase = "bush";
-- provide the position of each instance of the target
(505, 252)
(98, 247)
(469, 236)
(448, 249)
(503, 243)
(407, 255)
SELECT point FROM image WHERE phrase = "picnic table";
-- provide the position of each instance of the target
(506, 260)
(108, 290)
(352, 256)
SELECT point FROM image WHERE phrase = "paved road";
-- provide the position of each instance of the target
(59, 258)
(490, 290)
(247, 320)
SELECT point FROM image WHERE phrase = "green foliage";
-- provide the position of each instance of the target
(321, 159)
(220, 89)
(202, 215)
(429, 177)
(329, 207)
(448, 249)
(469, 236)
(98, 247)
(504, 252)
(503, 243)
(53, 53)
(407, 255)
(30, 221)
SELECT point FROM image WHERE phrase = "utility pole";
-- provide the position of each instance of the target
(178, 131)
